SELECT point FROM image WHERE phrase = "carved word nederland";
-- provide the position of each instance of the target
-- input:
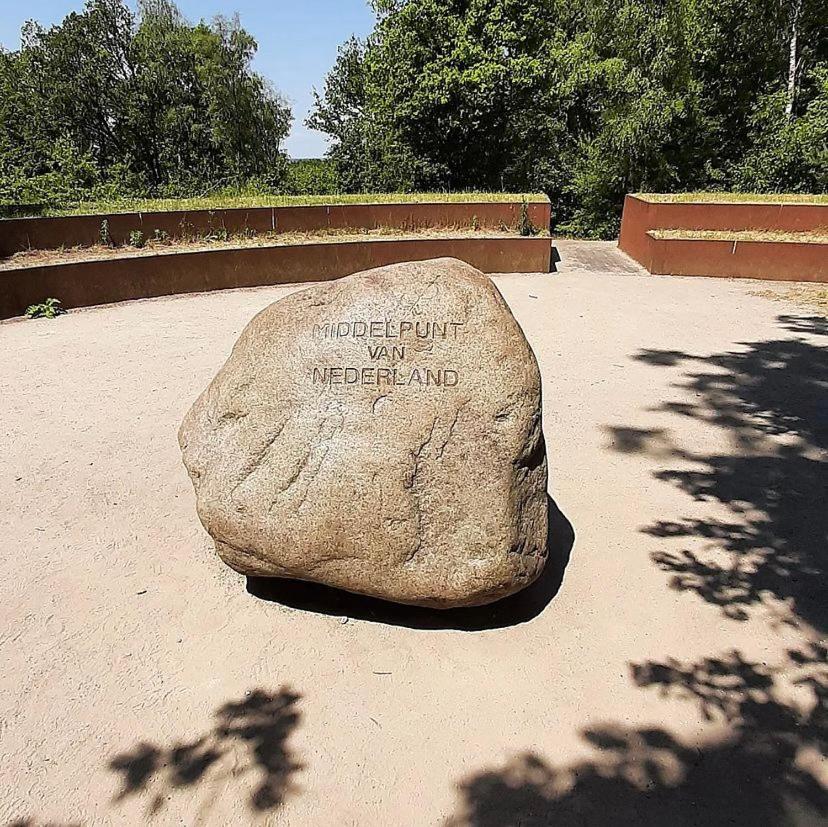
(387, 340)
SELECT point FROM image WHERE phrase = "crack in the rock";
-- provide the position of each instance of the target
(295, 475)
(420, 296)
(255, 462)
(506, 411)
(231, 416)
(315, 444)
(337, 557)
(411, 484)
(439, 452)
(313, 474)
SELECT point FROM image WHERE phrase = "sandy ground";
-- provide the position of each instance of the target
(673, 678)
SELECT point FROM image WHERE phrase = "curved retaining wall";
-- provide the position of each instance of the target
(18, 234)
(85, 283)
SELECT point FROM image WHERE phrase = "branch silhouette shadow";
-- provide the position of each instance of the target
(816, 325)
(518, 608)
(261, 722)
(764, 764)
(756, 774)
(769, 396)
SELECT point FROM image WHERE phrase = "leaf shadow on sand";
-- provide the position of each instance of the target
(771, 550)
(765, 771)
(251, 734)
(764, 559)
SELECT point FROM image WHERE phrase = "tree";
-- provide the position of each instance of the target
(145, 104)
(584, 99)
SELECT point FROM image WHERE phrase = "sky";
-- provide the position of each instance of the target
(297, 43)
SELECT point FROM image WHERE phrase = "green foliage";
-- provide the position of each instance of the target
(311, 176)
(48, 309)
(137, 239)
(584, 99)
(103, 233)
(110, 103)
(237, 199)
(788, 154)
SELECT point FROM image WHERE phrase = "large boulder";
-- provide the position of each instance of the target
(381, 434)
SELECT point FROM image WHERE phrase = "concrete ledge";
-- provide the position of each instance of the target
(786, 261)
(18, 234)
(103, 281)
(777, 260)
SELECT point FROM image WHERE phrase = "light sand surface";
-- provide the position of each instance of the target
(671, 680)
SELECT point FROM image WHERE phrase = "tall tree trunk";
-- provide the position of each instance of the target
(796, 10)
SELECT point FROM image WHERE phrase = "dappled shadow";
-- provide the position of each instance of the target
(651, 441)
(818, 325)
(770, 388)
(771, 398)
(776, 541)
(764, 764)
(260, 724)
(518, 608)
(764, 771)
(661, 358)
(748, 694)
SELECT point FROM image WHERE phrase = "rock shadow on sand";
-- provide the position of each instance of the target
(513, 610)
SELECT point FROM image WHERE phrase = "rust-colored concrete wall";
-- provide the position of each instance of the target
(635, 222)
(118, 279)
(640, 216)
(758, 259)
(83, 230)
(783, 261)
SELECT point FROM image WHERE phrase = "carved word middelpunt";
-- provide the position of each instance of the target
(403, 331)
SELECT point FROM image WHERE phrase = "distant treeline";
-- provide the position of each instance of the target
(111, 103)
(583, 99)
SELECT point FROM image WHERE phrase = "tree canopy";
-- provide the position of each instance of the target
(584, 99)
(110, 102)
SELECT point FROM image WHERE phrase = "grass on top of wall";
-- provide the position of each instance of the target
(733, 197)
(219, 202)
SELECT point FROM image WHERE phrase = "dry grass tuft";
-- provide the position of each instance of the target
(812, 296)
(819, 236)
